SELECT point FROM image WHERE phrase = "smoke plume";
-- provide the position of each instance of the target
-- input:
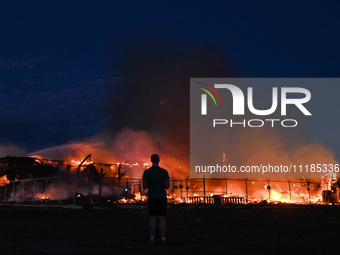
(153, 92)
(147, 107)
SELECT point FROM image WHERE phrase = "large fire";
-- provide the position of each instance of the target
(113, 172)
(121, 183)
(191, 191)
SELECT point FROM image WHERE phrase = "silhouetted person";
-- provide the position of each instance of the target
(156, 180)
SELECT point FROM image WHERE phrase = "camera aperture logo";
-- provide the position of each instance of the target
(204, 97)
(239, 105)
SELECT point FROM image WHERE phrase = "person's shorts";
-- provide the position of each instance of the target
(157, 206)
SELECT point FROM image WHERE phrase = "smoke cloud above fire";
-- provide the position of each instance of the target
(147, 108)
(153, 92)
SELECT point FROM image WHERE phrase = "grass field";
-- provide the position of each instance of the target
(199, 229)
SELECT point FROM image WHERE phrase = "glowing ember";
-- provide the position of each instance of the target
(137, 199)
(3, 180)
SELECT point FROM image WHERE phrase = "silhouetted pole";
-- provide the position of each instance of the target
(119, 172)
(310, 202)
(290, 192)
(141, 188)
(268, 187)
(246, 179)
(204, 187)
(173, 190)
(112, 190)
(187, 188)
(100, 182)
(127, 185)
(181, 187)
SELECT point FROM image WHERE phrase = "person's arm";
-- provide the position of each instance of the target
(167, 184)
(145, 184)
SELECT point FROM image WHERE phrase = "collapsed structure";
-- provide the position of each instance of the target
(33, 180)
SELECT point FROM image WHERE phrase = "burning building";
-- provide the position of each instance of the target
(19, 168)
(83, 181)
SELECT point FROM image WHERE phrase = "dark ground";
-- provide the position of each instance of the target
(237, 229)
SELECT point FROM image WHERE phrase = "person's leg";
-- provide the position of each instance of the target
(162, 226)
(152, 225)
(162, 218)
(153, 219)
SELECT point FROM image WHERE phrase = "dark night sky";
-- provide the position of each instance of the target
(56, 56)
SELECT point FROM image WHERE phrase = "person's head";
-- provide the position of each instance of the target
(154, 159)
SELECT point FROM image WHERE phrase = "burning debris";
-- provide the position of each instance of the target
(32, 180)
(83, 184)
